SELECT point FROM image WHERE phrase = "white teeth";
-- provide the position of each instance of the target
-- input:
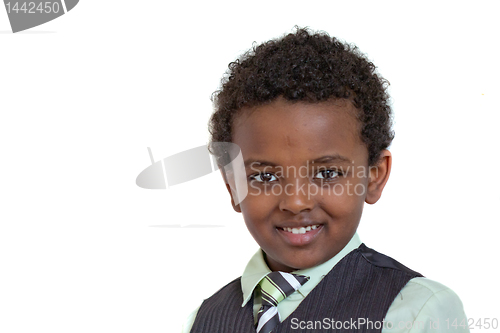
(301, 230)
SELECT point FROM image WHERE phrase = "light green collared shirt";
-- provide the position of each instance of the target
(422, 306)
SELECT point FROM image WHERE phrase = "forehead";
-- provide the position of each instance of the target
(288, 132)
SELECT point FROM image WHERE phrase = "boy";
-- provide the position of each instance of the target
(312, 120)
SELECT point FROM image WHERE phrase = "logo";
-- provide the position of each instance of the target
(25, 15)
(194, 163)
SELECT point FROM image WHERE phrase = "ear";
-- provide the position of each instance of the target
(378, 175)
(236, 208)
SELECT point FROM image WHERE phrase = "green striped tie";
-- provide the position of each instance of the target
(275, 287)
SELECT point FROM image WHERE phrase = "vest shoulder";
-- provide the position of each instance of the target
(223, 313)
(381, 260)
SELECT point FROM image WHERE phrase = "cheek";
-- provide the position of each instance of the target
(254, 205)
(345, 204)
(256, 211)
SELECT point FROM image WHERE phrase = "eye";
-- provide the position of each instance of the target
(327, 174)
(263, 177)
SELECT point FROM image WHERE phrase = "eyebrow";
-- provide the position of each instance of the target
(322, 160)
(332, 158)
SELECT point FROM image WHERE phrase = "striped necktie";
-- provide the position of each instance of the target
(275, 287)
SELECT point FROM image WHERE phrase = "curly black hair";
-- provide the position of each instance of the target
(309, 67)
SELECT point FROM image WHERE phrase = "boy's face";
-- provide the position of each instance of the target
(300, 212)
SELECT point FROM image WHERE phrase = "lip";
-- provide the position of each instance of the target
(300, 239)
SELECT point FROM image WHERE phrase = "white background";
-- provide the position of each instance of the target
(83, 249)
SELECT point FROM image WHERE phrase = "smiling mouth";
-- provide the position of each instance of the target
(302, 236)
(301, 230)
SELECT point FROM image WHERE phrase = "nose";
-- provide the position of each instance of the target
(297, 197)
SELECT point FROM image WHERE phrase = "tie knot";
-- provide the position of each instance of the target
(276, 286)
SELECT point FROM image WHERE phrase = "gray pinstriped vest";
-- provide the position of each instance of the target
(362, 285)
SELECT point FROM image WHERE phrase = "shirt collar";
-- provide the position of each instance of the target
(257, 268)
